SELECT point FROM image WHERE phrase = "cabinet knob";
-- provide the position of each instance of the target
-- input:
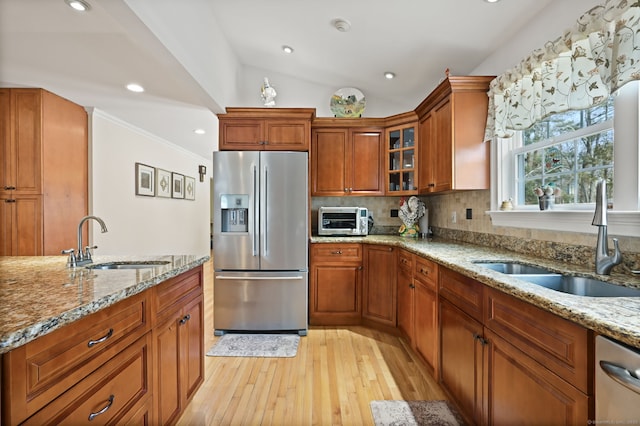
(411, 285)
(10, 201)
(431, 185)
(337, 252)
(390, 249)
(424, 271)
(9, 188)
(184, 319)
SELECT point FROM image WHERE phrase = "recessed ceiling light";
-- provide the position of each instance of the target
(79, 5)
(199, 131)
(287, 49)
(389, 75)
(492, 1)
(134, 87)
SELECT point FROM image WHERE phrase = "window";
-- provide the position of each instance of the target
(567, 152)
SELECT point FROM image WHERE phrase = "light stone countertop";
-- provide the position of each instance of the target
(39, 294)
(615, 317)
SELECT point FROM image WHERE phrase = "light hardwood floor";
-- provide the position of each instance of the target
(335, 374)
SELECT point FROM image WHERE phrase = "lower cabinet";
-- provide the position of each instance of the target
(335, 285)
(426, 308)
(406, 296)
(136, 362)
(379, 286)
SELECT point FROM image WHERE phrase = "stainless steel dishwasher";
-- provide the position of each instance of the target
(617, 382)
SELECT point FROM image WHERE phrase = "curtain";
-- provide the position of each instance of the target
(577, 70)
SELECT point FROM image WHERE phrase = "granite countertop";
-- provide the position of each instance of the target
(615, 317)
(39, 294)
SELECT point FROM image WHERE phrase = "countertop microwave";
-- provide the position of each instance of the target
(343, 221)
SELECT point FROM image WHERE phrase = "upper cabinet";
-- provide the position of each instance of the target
(452, 119)
(257, 129)
(347, 157)
(401, 138)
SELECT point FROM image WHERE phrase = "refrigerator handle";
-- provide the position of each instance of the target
(256, 216)
(264, 213)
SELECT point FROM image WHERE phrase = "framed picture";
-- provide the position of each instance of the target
(177, 185)
(163, 183)
(145, 180)
(189, 188)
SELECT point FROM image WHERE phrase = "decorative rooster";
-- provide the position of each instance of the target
(410, 211)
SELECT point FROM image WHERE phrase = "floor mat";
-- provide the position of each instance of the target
(405, 413)
(256, 345)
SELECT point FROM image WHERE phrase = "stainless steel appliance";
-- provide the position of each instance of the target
(260, 241)
(617, 382)
(343, 221)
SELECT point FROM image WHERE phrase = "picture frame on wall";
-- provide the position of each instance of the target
(177, 185)
(163, 183)
(189, 188)
(145, 180)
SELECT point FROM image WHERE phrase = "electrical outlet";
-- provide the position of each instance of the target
(469, 214)
(454, 217)
(394, 212)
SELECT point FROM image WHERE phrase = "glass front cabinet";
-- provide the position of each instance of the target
(402, 159)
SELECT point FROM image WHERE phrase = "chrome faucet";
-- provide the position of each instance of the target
(83, 257)
(604, 262)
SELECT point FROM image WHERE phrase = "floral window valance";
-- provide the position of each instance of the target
(576, 71)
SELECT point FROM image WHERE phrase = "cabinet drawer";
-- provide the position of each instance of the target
(426, 272)
(183, 286)
(464, 292)
(39, 371)
(330, 253)
(562, 346)
(107, 394)
(405, 261)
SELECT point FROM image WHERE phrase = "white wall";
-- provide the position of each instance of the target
(140, 225)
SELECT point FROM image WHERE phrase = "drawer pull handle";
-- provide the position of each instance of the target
(184, 319)
(480, 339)
(100, 340)
(424, 271)
(337, 252)
(104, 410)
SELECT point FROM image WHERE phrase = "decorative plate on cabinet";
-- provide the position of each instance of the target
(347, 102)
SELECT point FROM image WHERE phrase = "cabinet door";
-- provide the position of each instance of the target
(441, 149)
(522, 391)
(328, 162)
(192, 357)
(26, 142)
(335, 294)
(287, 135)
(426, 324)
(21, 224)
(166, 340)
(380, 289)
(461, 353)
(425, 169)
(406, 304)
(241, 134)
(366, 171)
(6, 158)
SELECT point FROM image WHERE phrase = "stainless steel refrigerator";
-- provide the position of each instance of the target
(260, 241)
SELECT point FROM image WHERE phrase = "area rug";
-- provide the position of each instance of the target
(414, 413)
(256, 345)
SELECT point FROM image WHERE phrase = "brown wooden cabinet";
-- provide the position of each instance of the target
(452, 152)
(346, 160)
(335, 286)
(402, 154)
(178, 345)
(275, 129)
(426, 308)
(44, 143)
(406, 296)
(379, 295)
(115, 365)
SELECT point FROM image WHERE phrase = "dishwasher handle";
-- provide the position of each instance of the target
(621, 375)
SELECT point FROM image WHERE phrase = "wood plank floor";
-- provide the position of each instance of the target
(335, 374)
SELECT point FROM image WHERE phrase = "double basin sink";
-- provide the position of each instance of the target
(579, 286)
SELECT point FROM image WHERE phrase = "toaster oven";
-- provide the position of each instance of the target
(343, 221)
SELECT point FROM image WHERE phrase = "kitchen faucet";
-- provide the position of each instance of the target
(83, 257)
(604, 262)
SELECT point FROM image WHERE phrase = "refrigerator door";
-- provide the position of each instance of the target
(260, 301)
(284, 211)
(236, 210)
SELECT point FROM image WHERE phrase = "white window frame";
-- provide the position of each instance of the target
(623, 219)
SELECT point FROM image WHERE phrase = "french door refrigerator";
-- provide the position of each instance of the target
(260, 241)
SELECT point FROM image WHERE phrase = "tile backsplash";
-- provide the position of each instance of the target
(576, 248)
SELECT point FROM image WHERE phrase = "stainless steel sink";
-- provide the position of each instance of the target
(129, 265)
(581, 286)
(512, 268)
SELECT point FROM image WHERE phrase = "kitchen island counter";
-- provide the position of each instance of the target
(615, 317)
(40, 294)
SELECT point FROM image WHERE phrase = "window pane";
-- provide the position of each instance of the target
(595, 150)
(559, 158)
(531, 162)
(586, 190)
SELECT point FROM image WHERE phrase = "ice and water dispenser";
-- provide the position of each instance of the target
(234, 212)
